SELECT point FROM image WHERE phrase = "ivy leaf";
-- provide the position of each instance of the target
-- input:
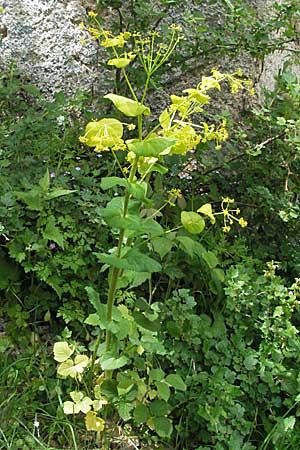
(62, 351)
(93, 422)
(152, 147)
(192, 222)
(128, 107)
(74, 368)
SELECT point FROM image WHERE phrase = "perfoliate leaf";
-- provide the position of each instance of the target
(207, 211)
(119, 63)
(105, 132)
(62, 351)
(165, 119)
(133, 260)
(128, 107)
(151, 147)
(192, 222)
(93, 422)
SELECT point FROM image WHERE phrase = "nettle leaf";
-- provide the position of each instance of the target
(33, 199)
(141, 414)
(176, 382)
(62, 351)
(152, 147)
(192, 222)
(128, 107)
(93, 422)
(53, 233)
(206, 210)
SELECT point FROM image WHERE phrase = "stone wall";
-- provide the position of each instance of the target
(43, 39)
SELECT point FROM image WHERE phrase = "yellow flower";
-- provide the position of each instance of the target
(228, 200)
(243, 222)
(81, 26)
(131, 126)
(226, 229)
(82, 139)
(92, 14)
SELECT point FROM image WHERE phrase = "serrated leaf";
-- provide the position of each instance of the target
(162, 426)
(192, 222)
(176, 382)
(152, 147)
(162, 246)
(62, 351)
(53, 233)
(124, 409)
(159, 408)
(127, 106)
(141, 414)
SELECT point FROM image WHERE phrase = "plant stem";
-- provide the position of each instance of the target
(116, 271)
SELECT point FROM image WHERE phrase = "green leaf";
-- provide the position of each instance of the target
(104, 132)
(152, 147)
(144, 322)
(163, 390)
(141, 414)
(54, 193)
(45, 181)
(156, 375)
(62, 351)
(94, 299)
(133, 260)
(162, 426)
(211, 259)
(33, 199)
(159, 408)
(124, 410)
(187, 244)
(192, 222)
(176, 382)
(110, 363)
(162, 246)
(207, 211)
(74, 368)
(127, 106)
(110, 182)
(53, 233)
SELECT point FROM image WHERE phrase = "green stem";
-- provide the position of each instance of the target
(116, 273)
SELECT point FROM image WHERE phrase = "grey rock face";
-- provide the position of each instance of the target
(43, 38)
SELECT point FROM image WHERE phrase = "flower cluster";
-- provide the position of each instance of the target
(230, 215)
